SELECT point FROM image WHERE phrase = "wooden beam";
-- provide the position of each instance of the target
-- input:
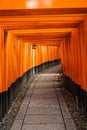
(49, 11)
(41, 32)
(34, 25)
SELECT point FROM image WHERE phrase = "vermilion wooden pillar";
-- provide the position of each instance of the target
(2, 87)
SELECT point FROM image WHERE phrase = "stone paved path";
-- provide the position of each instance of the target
(43, 107)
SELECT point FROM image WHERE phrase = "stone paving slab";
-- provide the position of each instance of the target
(43, 104)
(43, 119)
(43, 127)
(69, 124)
(29, 92)
(46, 82)
(17, 125)
(21, 113)
(44, 85)
(44, 90)
(50, 71)
(46, 79)
(65, 112)
(26, 100)
(60, 97)
(43, 110)
(47, 76)
(45, 95)
(43, 99)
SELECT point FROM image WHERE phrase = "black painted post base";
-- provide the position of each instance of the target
(79, 95)
(1, 115)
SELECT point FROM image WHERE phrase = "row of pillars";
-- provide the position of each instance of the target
(7, 97)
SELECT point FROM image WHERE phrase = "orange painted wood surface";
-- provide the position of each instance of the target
(74, 55)
(17, 57)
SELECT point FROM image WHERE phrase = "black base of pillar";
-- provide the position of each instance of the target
(77, 92)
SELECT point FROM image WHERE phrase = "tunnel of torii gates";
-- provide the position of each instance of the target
(36, 34)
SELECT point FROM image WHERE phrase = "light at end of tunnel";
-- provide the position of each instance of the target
(31, 4)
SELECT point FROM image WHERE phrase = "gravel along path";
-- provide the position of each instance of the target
(79, 118)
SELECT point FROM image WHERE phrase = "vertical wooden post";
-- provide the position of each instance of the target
(2, 87)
